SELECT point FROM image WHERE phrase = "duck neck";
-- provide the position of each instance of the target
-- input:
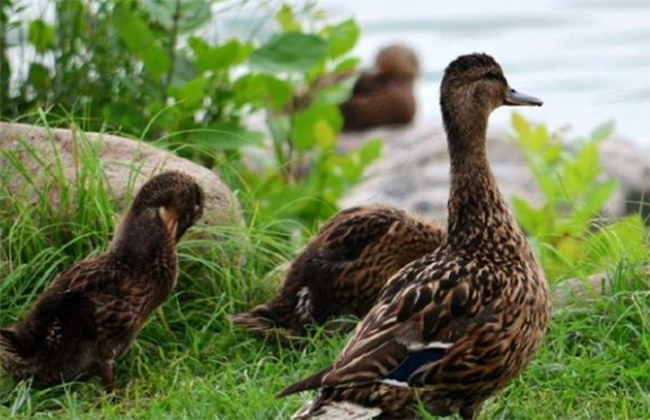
(477, 213)
(142, 242)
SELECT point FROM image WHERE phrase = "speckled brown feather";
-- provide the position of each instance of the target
(455, 326)
(91, 312)
(343, 268)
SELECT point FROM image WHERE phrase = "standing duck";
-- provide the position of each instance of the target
(342, 270)
(455, 326)
(91, 312)
(385, 95)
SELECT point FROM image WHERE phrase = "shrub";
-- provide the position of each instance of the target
(566, 229)
(143, 68)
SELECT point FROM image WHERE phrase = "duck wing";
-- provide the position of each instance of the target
(421, 318)
(111, 290)
(347, 235)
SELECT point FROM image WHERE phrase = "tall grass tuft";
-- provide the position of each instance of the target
(190, 363)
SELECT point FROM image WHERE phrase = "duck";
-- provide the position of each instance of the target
(342, 270)
(384, 96)
(89, 315)
(457, 325)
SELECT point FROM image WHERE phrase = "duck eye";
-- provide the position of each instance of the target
(493, 76)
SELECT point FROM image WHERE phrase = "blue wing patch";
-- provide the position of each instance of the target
(414, 361)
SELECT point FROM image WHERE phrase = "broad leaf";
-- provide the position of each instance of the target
(342, 37)
(227, 136)
(306, 122)
(217, 58)
(287, 19)
(139, 39)
(41, 35)
(289, 52)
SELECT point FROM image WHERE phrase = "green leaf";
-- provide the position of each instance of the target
(603, 131)
(162, 11)
(41, 35)
(625, 238)
(587, 163)
(190, 94)
(325, 136)
(227, 136)
(371, 151)
(287, 19)
(263, 90)
(533, 221)
(217, 58)
(521, 126)
(290, 52)
(140, 40)
(337, 93)
(39, 77)
(342, 37)
(599, 195)
(348, 64)
(306, 122)
(155, 61)
(193, 13)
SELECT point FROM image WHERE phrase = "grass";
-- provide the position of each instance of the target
(594, 363)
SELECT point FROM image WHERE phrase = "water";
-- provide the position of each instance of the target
(588, 59)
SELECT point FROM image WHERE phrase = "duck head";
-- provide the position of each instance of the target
(175, 198)
(474, 84)
(397, 59)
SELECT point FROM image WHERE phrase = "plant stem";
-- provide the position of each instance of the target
(173, 38)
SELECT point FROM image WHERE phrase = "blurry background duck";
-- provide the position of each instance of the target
(384, 95)
(381, 96)
(343, 268)
(91, 312)
(452, 328)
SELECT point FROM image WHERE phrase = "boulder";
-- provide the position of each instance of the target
(414, 172)
(596, 285)
(126, 165)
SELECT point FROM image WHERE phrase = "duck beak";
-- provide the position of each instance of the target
(514, 98)
(170, 220)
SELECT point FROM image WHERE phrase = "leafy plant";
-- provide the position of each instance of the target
(289, 81)
(566, 228)
(145, 68)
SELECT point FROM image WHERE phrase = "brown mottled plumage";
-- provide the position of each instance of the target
(384, 96)
(343, 268)
(91, 312)
(455, 326)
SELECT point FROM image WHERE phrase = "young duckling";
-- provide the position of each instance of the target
(343, 268)
(384, 96)
(455, 326)
(90, 313)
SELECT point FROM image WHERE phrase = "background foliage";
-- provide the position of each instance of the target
(571, 237)
(150, 69)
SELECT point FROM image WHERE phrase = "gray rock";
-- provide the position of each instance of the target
(599, 284)
(637, 199)
(414, 172)
(126, 165)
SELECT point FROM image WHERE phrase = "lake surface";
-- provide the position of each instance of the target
(589, 60)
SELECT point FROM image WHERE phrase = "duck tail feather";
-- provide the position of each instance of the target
(335, 410)
(14, 353)
(253, 322)
(313, 382)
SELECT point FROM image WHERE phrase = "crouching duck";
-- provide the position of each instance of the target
(91, 312)
(455, 326)
(343, 268)
(384, 96)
